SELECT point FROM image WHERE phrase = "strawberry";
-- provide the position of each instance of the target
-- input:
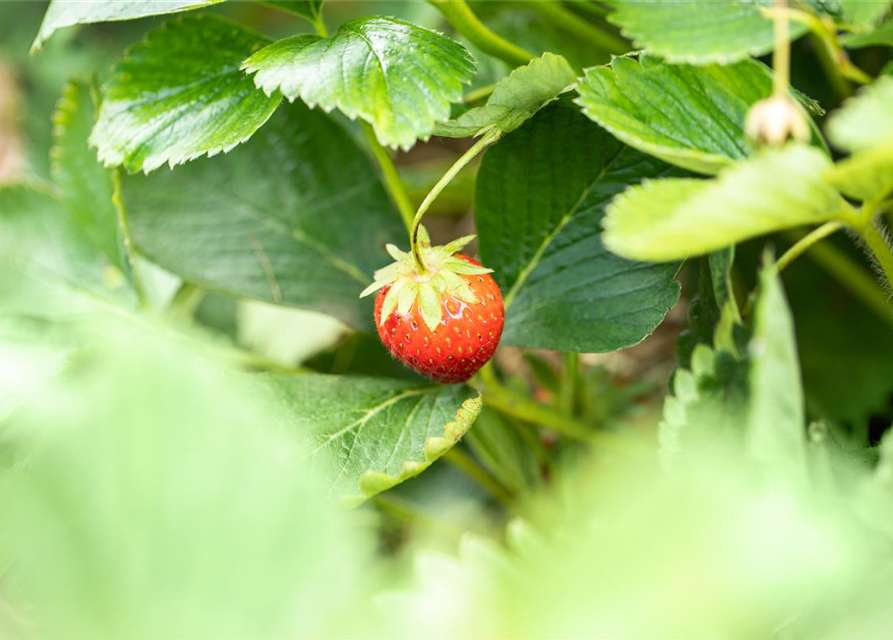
(444, 324)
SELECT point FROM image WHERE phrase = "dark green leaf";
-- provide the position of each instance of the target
(515, 98)
(397, 76)
(541, 195)
(697, 32)
(63, 13)
(366, 435)
(296, 216)
(180, 94)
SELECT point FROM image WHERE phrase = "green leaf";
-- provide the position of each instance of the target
(85, 186)
(193, 521)
(368, 434)
(296, 216)
(882, 36)
(541, 195)
(515, 98)
(309, 9)
(63, 13)
(678, 218)
(503, 451)
(776, 427)
(689, 116)
(864, 127)
(395, 75)
(696, 32)
(862, 13)
(167, 104)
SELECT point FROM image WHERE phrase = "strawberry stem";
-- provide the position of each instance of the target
(486, 140)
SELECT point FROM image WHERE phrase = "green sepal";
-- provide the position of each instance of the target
(443, 276)
(429, 305)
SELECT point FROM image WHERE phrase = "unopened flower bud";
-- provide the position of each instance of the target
(774, 120)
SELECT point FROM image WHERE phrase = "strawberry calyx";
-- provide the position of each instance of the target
(409, 286)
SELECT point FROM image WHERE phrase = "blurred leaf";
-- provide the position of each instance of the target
(85, 186)
(689, 116)
(365, 435)
(165, 104)
(862, 346)
(862, 13)
(864, 127)
(296, 216)
(62, 13)
(776, 425)
(693, 32)
(882, 36)
(680, 217)
(193, 521)
(309, 9)
(413, 76)
(38, 237)
(361, 354)
(515, 98)
(541, 194)
(503, 452)
(287, 336)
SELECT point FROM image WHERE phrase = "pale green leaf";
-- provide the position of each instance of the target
(776, 427)
(65, 13)
(162, 500)
(296, 216)
(882, 36)
(541, 196)
(864, 127)
(397, 76)
(515, 98)
(309, 9)
(689, 116)
(85, 186)
(678, 218)
(366, 435)
(167, 103)
(698, 32)
(864, 13)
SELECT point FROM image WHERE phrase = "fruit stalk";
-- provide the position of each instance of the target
(486, 140)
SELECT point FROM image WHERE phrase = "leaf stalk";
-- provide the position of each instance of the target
(466, 23)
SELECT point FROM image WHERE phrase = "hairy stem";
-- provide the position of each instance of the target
(807, 241)
(129, 248)
(877, 241)
(486, 140)
(392, 180)
(465, 22)
(570, 22)
(461, 460)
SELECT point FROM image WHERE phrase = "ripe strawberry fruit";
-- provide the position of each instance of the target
(444, 324)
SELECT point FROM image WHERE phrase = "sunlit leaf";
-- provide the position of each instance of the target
(677, 218)
(168, 103)
(397, 76)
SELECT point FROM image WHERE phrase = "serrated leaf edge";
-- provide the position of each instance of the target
(373, 482)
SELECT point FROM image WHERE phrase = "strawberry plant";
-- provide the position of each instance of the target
(563, 318)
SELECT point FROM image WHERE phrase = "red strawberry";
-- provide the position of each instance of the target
(445, 324)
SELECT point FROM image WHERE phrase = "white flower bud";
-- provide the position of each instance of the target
(774, 120)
